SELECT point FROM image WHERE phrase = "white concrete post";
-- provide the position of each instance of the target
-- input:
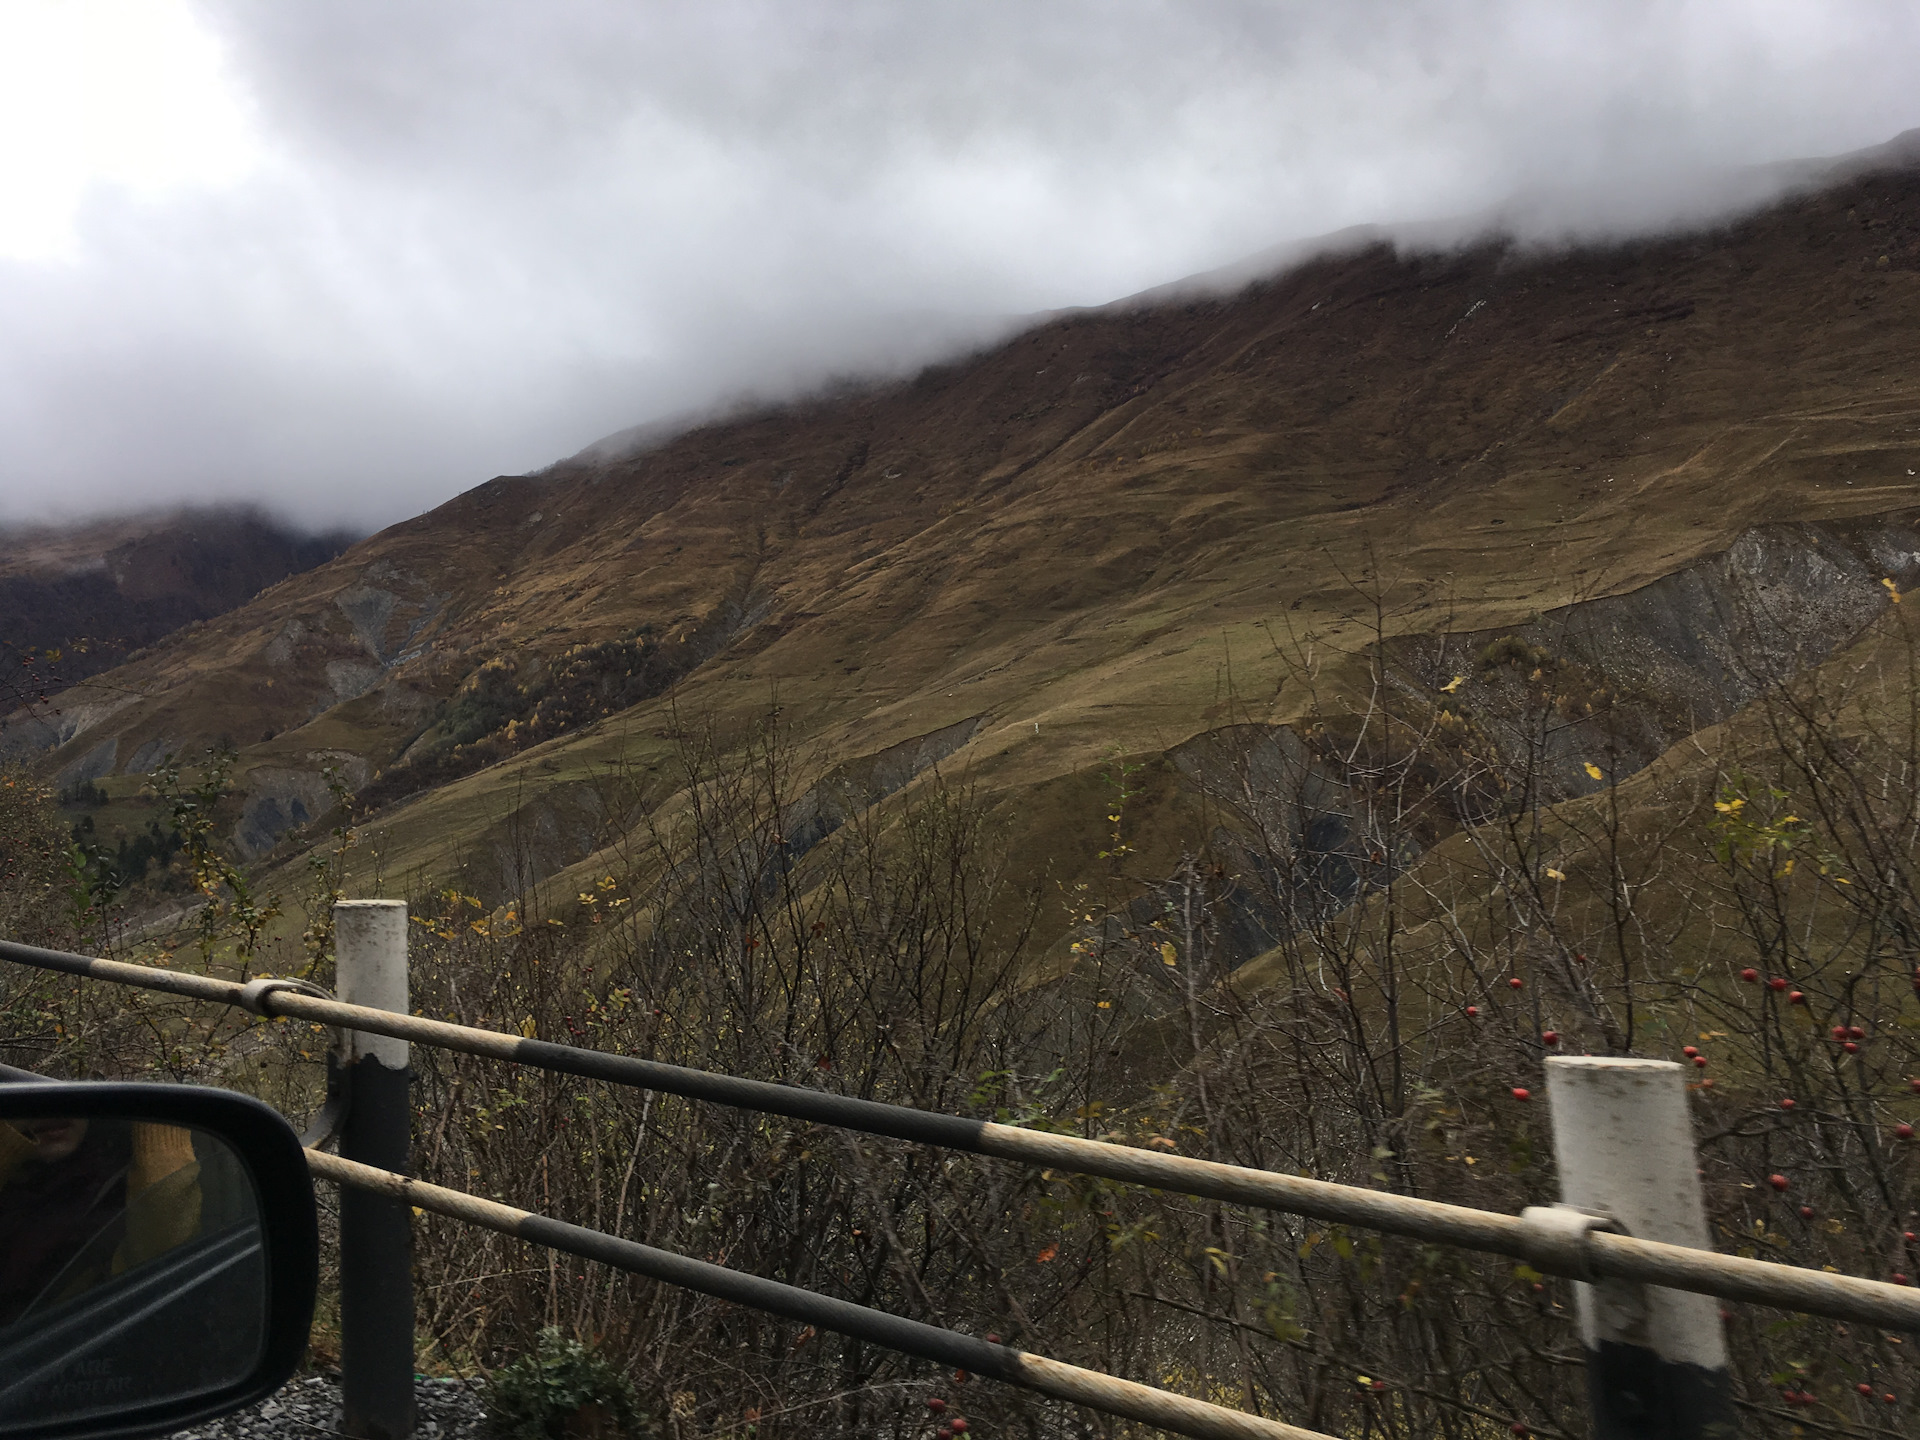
(1656, 1358)
(370, 968)
(376, 1232)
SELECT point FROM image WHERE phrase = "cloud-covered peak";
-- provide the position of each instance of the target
(470, 238)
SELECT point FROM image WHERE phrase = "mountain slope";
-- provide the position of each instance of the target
(100, 589)
(1113, 533)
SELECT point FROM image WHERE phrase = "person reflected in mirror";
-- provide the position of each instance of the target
(83, 1200)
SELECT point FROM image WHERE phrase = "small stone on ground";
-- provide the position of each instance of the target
(308, 1406)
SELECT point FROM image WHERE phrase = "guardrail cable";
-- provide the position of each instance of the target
(1532, 1237)
(1091, 1388)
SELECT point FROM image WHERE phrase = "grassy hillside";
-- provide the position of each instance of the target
(1122, 529)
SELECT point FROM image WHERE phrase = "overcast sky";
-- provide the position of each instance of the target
(350, 257)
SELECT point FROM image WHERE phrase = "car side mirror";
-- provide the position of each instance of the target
(158, 1255)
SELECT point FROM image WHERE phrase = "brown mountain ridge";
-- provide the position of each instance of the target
(1116, 533)
(98, 590)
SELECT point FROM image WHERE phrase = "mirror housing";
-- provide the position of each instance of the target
(136, 1339)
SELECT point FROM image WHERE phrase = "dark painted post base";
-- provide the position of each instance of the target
(376, 1262)
(1633, 1394)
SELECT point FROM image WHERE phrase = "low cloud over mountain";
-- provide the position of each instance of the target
(444, 241)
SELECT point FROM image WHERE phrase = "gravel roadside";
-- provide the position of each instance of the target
(308, 1406)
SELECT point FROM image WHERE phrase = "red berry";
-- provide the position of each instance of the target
(1521, 1093)
(993, 1339)
(1903, 1130)
(1779, 1182)
(1700, 1061)
(1910, 1237)
(1518, 1428)
(1839, 1032)
(936, 1404)
(959, 1426)
(1864, 1388)
(1787, 1104)
(1798, 997)
(1891, 1398)
(1806, 1212)
(1776, 983)
(1856, 1032)
(1898, 1278)
(1688, 1051)
(1516, 982)
(959, 1377)
(1379, 1385)
(1851, 1048)
(1750, 975)
(1473, 1010)
(1549, 1037)
(945, 1431)
(1915, 1084)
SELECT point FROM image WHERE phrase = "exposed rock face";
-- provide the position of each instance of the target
(150, 756)
(280, 799)
(47, 727)
(852, 787)
(347, 680)
(91, 766)
(1654, 665)
(370, 611)
(1691, 648)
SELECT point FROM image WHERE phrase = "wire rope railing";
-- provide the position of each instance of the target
(1599, 1255)
(1563, 1241)
(969, 1353)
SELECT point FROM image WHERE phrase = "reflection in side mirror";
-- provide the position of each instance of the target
(156, 1257)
